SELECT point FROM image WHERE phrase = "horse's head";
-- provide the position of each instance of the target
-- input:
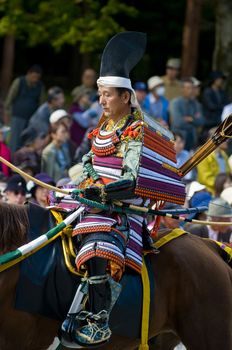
(13, 226)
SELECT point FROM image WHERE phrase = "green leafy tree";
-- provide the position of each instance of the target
(85, 23)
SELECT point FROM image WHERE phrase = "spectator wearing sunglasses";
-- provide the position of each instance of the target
(16, 190)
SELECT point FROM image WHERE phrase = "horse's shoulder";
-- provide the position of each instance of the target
(184, 248)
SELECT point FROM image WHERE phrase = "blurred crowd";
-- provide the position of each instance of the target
(46, 136)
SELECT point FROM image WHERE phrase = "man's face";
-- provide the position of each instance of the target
(58, 101)
(187, 89)
(219, 82)
(16, 197)
(89, 78)
(61, 135)
(179, 144)
(33, 77)
(112, 103)
(140, 94)
(84, 101)
(41, 195)
(172, 73)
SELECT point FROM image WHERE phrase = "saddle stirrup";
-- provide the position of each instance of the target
(104, 292)
(70, 324)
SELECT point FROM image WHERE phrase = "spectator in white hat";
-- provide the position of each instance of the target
(227, 195)
(60, 115)
(170, 79)
(227, 110)
(194, 187)
(220, 210)
(155, 104)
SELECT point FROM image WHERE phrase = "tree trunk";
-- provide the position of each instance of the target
(86, 61)
(74, 69)
(222, 59)
(190, 37)
(7, 64)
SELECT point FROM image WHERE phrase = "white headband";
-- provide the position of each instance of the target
(112, 81)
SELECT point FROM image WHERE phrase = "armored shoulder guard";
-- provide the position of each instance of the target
(158, 177)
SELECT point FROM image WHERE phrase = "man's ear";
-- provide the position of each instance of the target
(126, 97)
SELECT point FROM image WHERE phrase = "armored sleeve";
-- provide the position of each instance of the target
(123, 188)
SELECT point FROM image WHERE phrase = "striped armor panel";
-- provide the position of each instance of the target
(158, 177)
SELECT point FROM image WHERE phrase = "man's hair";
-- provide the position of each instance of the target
(35, 69)
(122, 90)
(186, 80)
(53, 92)
(178, 134)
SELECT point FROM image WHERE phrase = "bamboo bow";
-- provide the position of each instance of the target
(223, 132)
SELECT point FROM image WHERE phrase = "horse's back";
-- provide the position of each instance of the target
(193, 292)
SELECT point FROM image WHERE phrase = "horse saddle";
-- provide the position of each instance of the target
(47, 287)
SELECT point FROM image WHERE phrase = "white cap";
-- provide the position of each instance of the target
(227, 195)
(195, 81)
(57, 115)
(153, 82)
(195, 186)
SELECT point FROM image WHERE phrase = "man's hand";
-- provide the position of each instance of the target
(188, 119)
(93, 193)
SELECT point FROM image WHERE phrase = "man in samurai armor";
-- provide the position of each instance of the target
(132, 160)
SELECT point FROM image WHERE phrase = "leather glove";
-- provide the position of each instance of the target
(93, 193)
(120, 189)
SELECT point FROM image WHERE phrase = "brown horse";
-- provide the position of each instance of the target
(192, 300)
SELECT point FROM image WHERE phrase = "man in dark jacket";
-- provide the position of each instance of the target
(40, 119)
(25, 95)
(186, 115)
(214, 99)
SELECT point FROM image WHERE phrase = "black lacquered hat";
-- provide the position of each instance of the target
(122, 53)
(119, 57)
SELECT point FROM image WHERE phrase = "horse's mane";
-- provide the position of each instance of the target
(14, 225)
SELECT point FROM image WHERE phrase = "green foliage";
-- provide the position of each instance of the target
(88, 23)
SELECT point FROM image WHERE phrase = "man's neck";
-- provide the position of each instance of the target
(57, 144)
(29, 83)
(118, 117)
(215, 87)
(171, 79)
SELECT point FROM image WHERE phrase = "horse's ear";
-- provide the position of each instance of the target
(40, 220)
